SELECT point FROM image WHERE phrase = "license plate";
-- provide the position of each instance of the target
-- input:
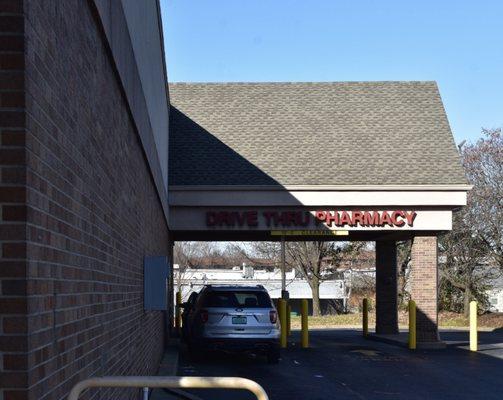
(239, 320)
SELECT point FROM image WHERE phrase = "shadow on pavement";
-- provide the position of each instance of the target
(341, 364)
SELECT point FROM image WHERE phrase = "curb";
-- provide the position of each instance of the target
(397, 341)
(167, 367)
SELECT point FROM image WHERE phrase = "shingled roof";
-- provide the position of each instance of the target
(341, 133)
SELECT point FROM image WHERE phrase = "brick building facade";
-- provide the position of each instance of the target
(84, 121)
(79, 209)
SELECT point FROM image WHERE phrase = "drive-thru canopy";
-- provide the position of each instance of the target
(248, 158)
(343, 161)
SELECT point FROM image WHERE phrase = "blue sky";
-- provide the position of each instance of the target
(459, 44)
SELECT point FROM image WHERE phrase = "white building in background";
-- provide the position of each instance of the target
(192, 280)
(495, 295)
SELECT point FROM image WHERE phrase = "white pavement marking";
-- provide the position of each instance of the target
(370, 353)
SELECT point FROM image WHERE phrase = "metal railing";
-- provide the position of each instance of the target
(171, 382)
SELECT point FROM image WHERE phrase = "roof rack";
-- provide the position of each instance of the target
(233, 286)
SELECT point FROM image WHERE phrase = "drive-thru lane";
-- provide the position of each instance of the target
(342, 365)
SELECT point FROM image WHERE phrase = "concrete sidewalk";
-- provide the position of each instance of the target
(402, 339)
(449, 337)
(168, 367)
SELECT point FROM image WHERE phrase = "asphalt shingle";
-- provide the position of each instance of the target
(341, 133)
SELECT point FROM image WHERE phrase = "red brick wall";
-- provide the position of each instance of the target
(424, 286)
(79, 212)
(13, 265)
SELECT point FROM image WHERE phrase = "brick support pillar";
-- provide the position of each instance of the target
(386, 288)
(424, 287)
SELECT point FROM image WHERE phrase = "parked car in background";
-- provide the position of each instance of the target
(239, 318)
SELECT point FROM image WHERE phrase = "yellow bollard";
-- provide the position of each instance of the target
(412, 325)
(178, 316)
(288, 320)
(304, 338)
(282, 322)
(365, 317)
(473, 326)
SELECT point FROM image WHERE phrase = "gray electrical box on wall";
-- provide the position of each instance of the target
(155, 283)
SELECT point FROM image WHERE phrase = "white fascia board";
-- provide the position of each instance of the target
(425, 197)
(318, 188)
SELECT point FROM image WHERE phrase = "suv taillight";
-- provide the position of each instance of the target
(204, 316)
(273, 317)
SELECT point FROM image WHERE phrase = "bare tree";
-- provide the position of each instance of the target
(475, 245)
(463, 268)
(483, 163)
(403, 261)
(237, 253)
(308, 258)
(183, 255)
(267, 250)
(348, 256)
(305, 257)
(189, 255)
(313, 260)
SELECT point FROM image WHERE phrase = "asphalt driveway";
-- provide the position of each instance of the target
(343, 365)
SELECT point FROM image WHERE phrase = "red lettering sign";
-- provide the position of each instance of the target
(284, 219)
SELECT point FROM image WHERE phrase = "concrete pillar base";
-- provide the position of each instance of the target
(402, 339)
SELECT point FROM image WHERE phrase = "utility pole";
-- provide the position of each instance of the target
(284, 292)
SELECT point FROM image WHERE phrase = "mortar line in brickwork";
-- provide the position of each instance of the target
(35, 279)
(114, 308)
(74, 226)
(73, 199)
(64, 151)
(127, 257)
(126, 338)
(89, 280)
(126, 322)
(84, 158)
(57, 174)
(83, 155)
(81, 255)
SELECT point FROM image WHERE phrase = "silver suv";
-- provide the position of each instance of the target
(241, 318)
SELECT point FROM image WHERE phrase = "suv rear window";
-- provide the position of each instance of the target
(237, 299)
